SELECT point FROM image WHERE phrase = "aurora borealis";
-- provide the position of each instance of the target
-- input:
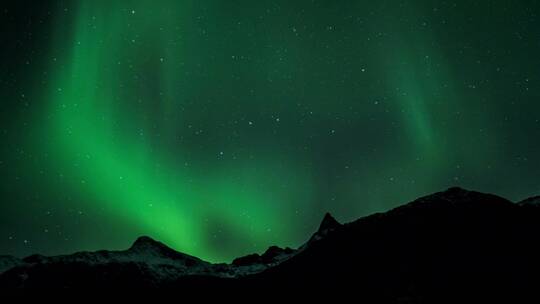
(223, 127)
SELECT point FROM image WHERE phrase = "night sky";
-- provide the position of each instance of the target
(223, 127)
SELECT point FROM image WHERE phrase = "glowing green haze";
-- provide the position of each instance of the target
(123, 62)
(224, 127)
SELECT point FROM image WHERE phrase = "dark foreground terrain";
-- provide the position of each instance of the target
(455, 244)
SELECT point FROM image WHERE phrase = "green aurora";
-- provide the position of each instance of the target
(223, 127)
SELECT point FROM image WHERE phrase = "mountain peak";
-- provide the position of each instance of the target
(456, 197)
(456, 190)
(147, 246)
(532, 201)
(328, 223)
(460, 195)
(145, 242)
(455, 193)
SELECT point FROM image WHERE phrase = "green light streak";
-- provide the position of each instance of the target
(102, 136)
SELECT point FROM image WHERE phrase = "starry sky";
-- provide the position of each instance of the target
(223, 127)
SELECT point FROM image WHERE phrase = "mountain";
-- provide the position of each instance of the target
(8, 262)
(531, 201)
(271, 256)
(328, 223)
(455, 245)
(327, 226)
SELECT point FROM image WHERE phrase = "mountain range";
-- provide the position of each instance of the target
(453, 245)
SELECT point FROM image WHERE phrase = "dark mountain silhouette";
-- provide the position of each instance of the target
(8, 262)
(455, 245)
(272, 255)
(328, 225)
(535, 201)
